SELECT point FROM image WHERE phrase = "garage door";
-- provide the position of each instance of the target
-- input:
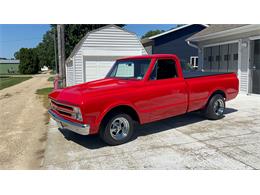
(223, 58)
(215, 59)
(97, 69)
(207, 59)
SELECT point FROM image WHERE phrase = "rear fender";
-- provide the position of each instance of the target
(215, 91)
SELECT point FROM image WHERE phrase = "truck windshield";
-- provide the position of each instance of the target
(129, 69)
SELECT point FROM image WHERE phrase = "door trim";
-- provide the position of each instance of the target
(250, 75)
(220, 43)
(254, 38)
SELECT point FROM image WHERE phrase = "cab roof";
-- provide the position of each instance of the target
(149, 56)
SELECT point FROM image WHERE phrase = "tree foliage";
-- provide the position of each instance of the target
(179, 25)
(152, 33)
(16, 55)
(29, 61)
(45, 49)
(156, 32)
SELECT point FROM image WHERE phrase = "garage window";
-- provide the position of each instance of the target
(235, 56)
(226, 57)
(218, 58)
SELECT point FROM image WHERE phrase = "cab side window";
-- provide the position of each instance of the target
(164, 69)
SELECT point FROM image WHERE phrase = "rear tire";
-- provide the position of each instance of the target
(117, 129)
(215, 107)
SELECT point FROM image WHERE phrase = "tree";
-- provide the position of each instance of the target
(45, 50)
(29, 62)
(17, 55)
(179, 25)
(152, 33)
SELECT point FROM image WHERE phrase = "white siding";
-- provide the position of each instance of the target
(70, 73)
(108, 41)
(78, 66)
(243, 80)
(112, 41)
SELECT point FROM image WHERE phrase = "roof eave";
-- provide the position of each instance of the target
(175, 29)
(233, 31)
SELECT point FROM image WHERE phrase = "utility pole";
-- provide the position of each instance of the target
(61, 53)
(55, 52)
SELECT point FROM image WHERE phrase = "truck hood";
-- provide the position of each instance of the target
(76, 94)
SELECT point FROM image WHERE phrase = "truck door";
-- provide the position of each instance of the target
(166, 90)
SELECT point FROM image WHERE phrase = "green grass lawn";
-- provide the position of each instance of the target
(51, 79)
(6, 81)
(44, 91)
(13, 68)
(43, 94)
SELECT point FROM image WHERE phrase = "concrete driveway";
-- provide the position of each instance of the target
(184, 142)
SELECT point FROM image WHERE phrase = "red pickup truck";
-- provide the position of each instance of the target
(140, 89)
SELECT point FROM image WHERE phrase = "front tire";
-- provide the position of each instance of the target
(215, 107)
(117, 129)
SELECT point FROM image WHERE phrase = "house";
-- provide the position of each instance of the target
(97, 51)
(231, 48)
(9, 66)
(173, 41)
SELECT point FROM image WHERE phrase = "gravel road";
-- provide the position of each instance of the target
(22, 125)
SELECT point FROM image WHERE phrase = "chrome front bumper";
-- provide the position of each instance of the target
(82, 129)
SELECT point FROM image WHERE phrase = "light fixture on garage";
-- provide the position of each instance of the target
(244, 44)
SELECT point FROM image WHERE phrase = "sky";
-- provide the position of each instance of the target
(15, 36)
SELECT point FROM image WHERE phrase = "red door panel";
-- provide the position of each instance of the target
(166, 98)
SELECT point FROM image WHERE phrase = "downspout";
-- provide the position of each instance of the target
(195, 46)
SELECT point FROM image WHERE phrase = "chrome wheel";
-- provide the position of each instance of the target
(119, 128)
(219, 107)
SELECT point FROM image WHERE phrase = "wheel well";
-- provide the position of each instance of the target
(122, 109)
(214, 93)
(220, 92)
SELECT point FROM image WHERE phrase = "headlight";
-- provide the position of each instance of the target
(77, 114)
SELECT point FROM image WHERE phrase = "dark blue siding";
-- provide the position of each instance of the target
(174, 43)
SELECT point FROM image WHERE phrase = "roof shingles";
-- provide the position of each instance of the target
(215, 28)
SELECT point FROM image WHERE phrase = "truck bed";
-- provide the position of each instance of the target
(194, 74)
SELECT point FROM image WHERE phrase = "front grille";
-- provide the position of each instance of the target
(62, 109)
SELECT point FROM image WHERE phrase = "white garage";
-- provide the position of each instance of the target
(95, 54)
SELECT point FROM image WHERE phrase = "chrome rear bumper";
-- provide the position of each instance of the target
(82, 129)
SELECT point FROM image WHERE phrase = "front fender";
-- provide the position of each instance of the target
(112, 106)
